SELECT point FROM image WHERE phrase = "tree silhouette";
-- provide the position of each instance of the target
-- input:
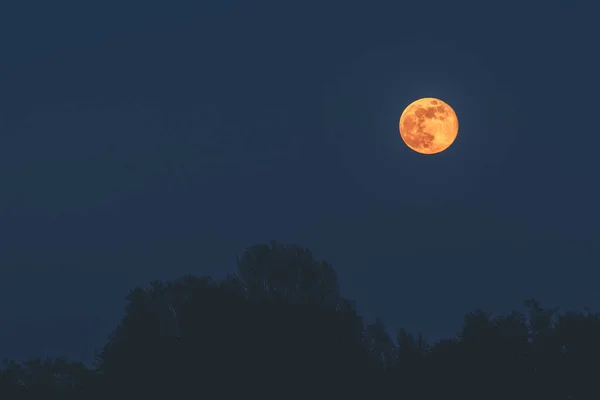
(48, 379)
(279, 327)
(288, 272)
(281, 316)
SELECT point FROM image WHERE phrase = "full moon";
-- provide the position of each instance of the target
(428, 126)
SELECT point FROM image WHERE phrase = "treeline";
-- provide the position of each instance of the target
(279, 328)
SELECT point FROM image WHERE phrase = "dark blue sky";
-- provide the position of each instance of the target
(146, 141)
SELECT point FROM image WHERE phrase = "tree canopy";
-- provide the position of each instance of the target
(279, 327)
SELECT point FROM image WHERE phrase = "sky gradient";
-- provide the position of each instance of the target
(141, 141)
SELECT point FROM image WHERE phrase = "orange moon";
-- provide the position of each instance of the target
(428, 126)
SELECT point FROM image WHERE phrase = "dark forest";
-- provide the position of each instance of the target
(278, 327)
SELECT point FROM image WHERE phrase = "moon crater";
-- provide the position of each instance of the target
(428, 126)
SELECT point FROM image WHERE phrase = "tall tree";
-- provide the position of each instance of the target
(287, 272)
(281, 316)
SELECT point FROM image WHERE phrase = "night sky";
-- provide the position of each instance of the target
(143, 141)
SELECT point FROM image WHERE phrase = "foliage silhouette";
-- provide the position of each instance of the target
(279, 327)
